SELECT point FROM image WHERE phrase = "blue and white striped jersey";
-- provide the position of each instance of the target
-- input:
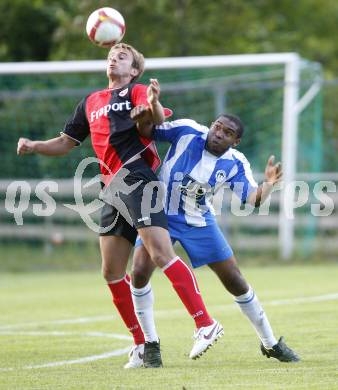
(192, 175)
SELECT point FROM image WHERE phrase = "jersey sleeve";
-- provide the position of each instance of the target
(243, 183)
(139, 95)
(77, 126)
(174, 130)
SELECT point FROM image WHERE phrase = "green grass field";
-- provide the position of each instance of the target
(55, 326)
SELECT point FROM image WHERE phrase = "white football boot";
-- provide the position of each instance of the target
(135, 357)
(205, 337)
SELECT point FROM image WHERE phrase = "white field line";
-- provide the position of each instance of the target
(118, 352)
(81, 320)
(296, 301)
(65, 334)
(106, 355)
(281, 302)
(166, 313)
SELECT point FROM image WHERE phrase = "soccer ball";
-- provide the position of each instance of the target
(105, 27)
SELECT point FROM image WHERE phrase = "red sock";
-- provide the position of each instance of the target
(185, 284)
(124, 304)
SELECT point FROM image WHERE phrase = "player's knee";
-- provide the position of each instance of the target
(233, 280)
(140, 276)
(162, 257)
(158, 259)
(237, 285)
(110, 275)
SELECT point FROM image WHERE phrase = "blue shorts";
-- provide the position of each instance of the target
(203, 245)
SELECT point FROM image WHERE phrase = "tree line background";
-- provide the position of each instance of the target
(42, 30)
(55, 29)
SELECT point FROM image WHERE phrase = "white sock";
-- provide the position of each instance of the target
(250, 306)
(143, 299)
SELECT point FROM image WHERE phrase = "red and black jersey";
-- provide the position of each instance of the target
(105, 115)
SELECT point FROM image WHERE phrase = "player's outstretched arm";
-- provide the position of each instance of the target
(273, 174)
(152, 114)
(153, 95)
(53, 147)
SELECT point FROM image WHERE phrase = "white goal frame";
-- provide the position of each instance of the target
(292, 106)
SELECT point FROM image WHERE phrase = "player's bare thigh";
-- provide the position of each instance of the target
(158, 244)
(115, 251)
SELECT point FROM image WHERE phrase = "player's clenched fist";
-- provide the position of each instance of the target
(25, 146)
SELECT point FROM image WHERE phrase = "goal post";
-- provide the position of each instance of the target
(292, 102)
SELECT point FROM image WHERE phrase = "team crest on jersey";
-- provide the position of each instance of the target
(124, 92)
(192, 188)
(220, 176)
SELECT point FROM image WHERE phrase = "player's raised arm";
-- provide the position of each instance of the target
(58, 146)
(152, 114)
(153, 95)
(273, 174)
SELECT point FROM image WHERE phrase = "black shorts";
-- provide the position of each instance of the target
(134, 203)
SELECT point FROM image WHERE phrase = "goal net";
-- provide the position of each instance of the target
(277, 96)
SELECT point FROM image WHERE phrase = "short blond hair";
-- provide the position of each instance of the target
(138, 59)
